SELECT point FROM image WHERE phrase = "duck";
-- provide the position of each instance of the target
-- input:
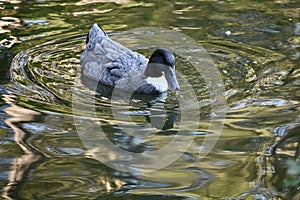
(110, 63)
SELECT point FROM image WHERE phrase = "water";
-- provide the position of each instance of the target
(254, 45)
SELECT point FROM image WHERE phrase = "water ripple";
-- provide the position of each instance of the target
(262, 83)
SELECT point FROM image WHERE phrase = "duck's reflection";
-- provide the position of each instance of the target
(157, 116)
(20, 165)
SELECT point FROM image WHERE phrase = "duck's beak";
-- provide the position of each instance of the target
(171, 79)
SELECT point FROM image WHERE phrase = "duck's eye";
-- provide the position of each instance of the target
(87, 38)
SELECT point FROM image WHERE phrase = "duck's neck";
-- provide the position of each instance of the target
(155, 70)
(158, 82)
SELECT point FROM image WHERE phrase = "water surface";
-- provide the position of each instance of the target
(255, 46)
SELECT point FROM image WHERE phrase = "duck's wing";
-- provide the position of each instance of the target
(107, 61)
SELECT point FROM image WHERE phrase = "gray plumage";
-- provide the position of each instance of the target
(112, 64)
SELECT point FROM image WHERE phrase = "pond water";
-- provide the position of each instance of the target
(255, 45)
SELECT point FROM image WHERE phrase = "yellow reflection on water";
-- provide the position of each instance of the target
(22, 163)
(84, 2)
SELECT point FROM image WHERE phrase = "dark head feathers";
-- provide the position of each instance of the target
(163, 56)
(160, 61)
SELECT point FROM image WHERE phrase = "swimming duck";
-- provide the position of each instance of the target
(115, 65)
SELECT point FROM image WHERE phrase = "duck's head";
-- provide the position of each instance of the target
(162, 64)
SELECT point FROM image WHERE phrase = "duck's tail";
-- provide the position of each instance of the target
(96, 34)
(98, 30)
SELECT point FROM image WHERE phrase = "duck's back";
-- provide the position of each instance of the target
(107, 61)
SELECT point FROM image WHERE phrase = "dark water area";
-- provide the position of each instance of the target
(47, 129)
